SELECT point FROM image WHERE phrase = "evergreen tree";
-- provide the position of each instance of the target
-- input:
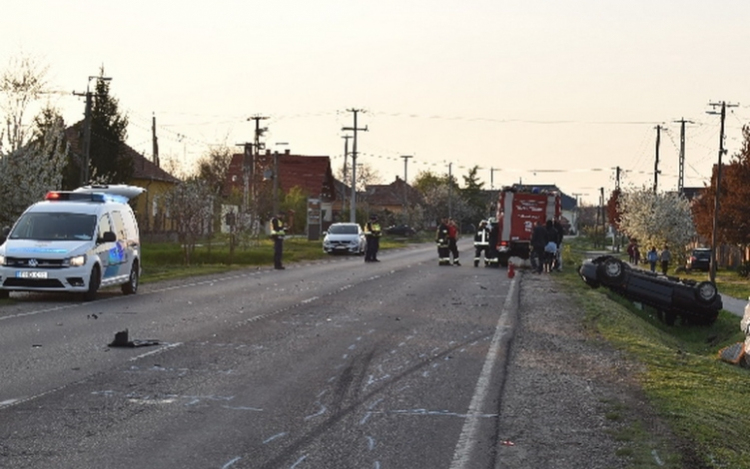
(108, 133)
(474, 196)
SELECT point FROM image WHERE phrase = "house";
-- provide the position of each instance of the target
(311, 174)
(149, 209)
(394, 197)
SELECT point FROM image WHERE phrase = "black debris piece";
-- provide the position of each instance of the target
(122, 340)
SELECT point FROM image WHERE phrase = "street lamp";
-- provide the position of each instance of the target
(87, 128)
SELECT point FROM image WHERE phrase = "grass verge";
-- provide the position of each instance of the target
(703, 400)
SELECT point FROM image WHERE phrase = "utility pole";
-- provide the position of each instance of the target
(578, 210)
(681, 176)
(248, 163)
(656, 162)
(87, 127)
(406, 195)
(601, 209)
(617, 178)
(714, 228)
(251, 159)
(355, 129)
(346, 171)
(450, 190)
(154, 141)
(492, 179)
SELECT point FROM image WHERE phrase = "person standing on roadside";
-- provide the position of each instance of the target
(560, 236)
(278, 232)
(652, 257)
(538, 242)
(372, 233)
(482, 244)
(665, 257)
(443, 243)
(453, 240)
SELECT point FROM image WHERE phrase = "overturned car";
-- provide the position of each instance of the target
(693, 302)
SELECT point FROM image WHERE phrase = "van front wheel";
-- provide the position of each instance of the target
(94, 281)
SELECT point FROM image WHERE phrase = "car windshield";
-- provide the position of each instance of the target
(46, 226)
(343, 229)
(702, 254)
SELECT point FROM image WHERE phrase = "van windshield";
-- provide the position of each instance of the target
(44, 226)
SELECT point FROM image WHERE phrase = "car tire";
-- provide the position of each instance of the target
(705, 292)
(131, 287)
(4, 294)
(94, 281)
(611, 271)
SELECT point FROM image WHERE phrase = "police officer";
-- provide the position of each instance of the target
(278, 231)
(443, 243)
(482, 243)
(372, 233)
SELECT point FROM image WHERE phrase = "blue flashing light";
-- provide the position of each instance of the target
(70, 196)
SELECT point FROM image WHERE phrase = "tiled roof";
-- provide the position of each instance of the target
(392, 194)
(143, 168)
(312, 174)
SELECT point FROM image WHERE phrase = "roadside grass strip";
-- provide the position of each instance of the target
(702, 399)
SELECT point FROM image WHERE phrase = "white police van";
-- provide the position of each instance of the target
(74, 241)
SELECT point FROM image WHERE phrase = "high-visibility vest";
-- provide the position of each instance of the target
(277, 228)
(372, 229)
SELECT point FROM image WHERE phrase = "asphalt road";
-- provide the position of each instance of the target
(330, 364)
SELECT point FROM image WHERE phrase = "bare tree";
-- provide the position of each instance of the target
(190, 204)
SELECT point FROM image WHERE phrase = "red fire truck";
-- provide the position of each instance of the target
(519, 208)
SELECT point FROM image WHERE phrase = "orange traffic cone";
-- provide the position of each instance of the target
(511, 270)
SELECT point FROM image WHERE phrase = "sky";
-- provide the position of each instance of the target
(539, 92)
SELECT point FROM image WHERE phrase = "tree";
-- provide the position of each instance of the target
(21, 84)
(657, 219)
(27, 173)
(474, 196)
(108, 135)
(190, 204)
(213, 169)
(613, 209)
(733, 225)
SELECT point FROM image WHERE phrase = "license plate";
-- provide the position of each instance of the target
(30, 274)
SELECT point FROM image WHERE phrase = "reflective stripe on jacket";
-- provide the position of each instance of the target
(277, 228)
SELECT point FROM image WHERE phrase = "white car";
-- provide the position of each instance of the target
(344, 238)
(74, 241)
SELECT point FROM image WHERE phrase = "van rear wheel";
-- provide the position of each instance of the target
(94, 281)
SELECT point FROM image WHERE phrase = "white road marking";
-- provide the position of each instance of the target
(467, 439)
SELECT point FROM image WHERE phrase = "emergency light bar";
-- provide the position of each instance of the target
(60, 196)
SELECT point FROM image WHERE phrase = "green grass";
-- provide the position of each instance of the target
(702, 399)
(163, 261)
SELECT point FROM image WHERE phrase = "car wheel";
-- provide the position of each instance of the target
(131, 287)
(705, 292)
(612, 271)
(94, 281)
(4, 294)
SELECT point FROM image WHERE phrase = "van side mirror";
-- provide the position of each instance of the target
(108, 237)
(4, 234)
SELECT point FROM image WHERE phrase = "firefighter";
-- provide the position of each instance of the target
(482, 243)
(372, 233)
(491, 256)
(441, 238)
(278, 231)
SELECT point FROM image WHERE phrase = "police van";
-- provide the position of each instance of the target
(74, 241)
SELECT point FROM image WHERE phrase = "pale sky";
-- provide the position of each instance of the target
(548, 92)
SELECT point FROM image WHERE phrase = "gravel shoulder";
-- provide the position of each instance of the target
(570, 399)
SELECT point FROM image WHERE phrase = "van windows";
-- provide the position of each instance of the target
(59, 226)
(119, 225)
(104, 226)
